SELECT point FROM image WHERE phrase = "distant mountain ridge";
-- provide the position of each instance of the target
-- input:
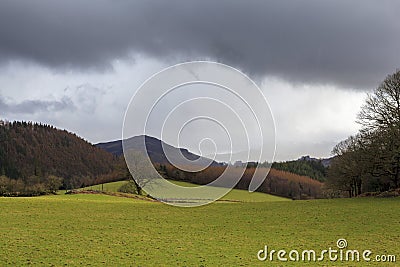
(305, 165)
(155, 149)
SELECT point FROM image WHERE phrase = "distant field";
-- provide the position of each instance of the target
(99, 230)
(109, 187)
(234, 195)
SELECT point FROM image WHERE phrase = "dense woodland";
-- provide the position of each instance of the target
(306, 167)
(38, 159)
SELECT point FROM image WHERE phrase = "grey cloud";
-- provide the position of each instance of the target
(35, 106)
(85, 96)
(347, 43)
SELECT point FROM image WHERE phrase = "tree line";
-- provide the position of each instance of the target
(370, 160)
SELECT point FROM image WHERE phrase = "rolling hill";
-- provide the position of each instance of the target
(30, 152)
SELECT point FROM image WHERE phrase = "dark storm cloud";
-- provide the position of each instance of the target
(348, 43)
(34, 106)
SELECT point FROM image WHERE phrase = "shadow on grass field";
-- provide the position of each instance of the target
(112, 231)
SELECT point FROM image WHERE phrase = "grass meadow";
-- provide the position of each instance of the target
(235, 195)
(73, 230)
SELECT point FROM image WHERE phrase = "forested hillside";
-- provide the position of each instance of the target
(305, 166)
(30, 153)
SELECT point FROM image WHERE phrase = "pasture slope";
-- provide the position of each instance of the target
(234, 195)
(101, 230)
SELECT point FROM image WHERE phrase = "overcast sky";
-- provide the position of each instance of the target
(76, 64)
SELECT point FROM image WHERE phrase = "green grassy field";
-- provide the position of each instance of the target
(71, 230)
(109, 187)
(233, 195)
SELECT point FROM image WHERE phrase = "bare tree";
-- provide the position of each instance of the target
(350, 166)
(382, 108)
(141, 169)
(372, 155)
(381, 115)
